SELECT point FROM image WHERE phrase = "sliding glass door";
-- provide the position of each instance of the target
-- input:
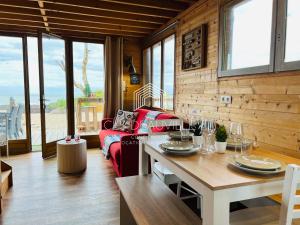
(13, 125)
(88, 69)
(53, 101)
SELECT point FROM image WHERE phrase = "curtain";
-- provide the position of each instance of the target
(113, 62)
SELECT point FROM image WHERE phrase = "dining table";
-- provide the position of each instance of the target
(213, 177)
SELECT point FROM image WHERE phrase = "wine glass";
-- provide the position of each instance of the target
(208, 128)
(211, 131)
(236, 134)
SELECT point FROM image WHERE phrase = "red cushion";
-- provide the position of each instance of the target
(139, 119)
(143, 113)
(163, 116)
(104, 133)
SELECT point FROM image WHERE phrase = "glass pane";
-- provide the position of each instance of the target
(156, 79)
(247, 34)
(34, 88)
(12, 98)
(88, 61)
(292, 51)
(169, 60)
(146, 65)
(55, 89)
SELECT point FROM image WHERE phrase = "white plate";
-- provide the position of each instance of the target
(187, 152)
(257, 162)
(177, 135)
(177, 146)
(232, 145)
(253, 171)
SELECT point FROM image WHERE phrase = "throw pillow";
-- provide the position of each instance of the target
(124, 120)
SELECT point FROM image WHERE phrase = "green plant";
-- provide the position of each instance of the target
(221, 134)
(59, 104)
(196, 128)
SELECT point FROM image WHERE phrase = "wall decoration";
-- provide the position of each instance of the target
(134, 78)
(194, 45)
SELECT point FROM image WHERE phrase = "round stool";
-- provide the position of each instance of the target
(71, 156)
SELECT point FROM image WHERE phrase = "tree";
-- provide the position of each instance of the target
(84, 87)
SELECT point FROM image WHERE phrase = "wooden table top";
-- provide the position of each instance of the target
(214, 171)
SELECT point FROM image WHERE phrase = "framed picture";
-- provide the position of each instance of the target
(194, 48)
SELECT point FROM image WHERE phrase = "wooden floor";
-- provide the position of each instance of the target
(42, 196)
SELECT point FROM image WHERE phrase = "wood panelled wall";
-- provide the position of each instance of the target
(268, 105)
(131, 48)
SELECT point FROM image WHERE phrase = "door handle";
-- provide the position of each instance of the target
(44, 100)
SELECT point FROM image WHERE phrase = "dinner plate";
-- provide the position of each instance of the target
(177, 146)
(254, 171)
(187, 152)
(232, 145)
(177, 135)
(257, 162)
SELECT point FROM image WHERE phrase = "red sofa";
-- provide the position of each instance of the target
(124, 155)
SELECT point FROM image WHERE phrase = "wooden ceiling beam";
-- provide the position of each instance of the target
(87, 12)
(67, 27)
(43, 14)
(88, 25)
(30, 13)
(112, 6)
(84, 24)
(58, 29)
(153, 4)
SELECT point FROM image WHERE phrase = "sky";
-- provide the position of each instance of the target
(11, 68)
(251, 36)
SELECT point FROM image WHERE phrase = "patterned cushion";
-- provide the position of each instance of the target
(124, 120)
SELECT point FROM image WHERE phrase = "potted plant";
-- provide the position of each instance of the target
(197, 138)
(221, 139)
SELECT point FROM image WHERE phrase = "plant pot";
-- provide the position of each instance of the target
(220, 146)
(197, 140)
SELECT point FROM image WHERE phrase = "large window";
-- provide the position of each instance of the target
(88, 67)
(156, 75)
(159, 69)
(12, 92)
(169, 71)
(249, 43)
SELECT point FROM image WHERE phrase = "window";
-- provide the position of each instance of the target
(168, 76)
(12, 97)
(88, 67)
(159, 69)
(288, 48)
(248, 42)
(156, 75)
(292, 46)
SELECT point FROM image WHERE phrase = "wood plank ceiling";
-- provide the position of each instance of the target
(88, 18)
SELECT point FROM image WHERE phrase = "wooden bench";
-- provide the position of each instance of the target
(147, 200)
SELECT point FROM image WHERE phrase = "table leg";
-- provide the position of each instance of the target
(87, 119)
(216, 207)
(95, 118)
(143, 159)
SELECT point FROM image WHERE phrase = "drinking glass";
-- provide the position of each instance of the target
(236, 134)
(185, 134)
(68, 138)
(208, 128)
(247, 147)
(77, 137)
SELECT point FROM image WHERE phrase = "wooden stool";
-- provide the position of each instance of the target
(71, 156)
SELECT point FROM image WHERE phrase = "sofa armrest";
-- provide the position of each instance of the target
(107, 123)
(129, 155)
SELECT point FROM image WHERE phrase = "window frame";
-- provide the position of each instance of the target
(249, 70)
(162, 44)
(280, 64)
